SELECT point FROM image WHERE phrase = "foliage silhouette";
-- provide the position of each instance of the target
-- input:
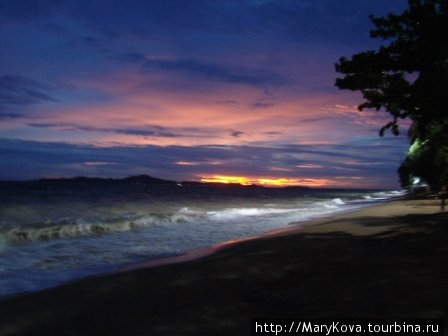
(408, 77)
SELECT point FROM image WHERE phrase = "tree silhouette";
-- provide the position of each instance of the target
(408, 77)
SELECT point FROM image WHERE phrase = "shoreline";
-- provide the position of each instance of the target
(381, 261)
(204, 251)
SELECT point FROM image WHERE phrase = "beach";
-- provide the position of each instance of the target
(387, 260)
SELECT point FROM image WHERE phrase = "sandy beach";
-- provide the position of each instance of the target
(388, 260)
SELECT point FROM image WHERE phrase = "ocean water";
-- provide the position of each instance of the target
(57, 231)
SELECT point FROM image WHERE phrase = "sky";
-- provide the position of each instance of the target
(212, 90)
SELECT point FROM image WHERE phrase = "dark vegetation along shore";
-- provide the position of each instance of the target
(385, 261)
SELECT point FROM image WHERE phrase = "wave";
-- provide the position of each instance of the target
(66, 228)
(86, 227)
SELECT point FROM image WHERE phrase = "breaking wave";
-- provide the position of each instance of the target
(66, 228)
(45, 242)
(87, 226)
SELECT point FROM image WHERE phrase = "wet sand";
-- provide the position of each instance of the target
(389, 260)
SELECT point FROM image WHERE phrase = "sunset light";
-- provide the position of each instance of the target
(267, 182)
(228, 180)
(190, 165)
(239, 98)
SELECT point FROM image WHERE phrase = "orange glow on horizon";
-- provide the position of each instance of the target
(227, 179)
(267, 182)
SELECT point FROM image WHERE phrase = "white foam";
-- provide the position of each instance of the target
(62, 249)
(87, 227)
(338, 201)
(235, 213)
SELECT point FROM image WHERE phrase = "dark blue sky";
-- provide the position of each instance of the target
(190, 90)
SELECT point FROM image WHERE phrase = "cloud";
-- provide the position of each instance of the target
(315, 119)
(130, 57)
(227, 102)
(174, 22)
(27, 10)
(262, 104)
(27, 159)
(204, 70)
(199, 69)
(144, 131)
(9, 116)
(151, 62)
(98, 163)
(237, 134)
(17, 90)
(309, 166)
(150, 130)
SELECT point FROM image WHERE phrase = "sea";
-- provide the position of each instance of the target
(54, 231)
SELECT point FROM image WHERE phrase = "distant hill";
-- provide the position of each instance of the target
(145, 180)
(142, 180)
(135, 180)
